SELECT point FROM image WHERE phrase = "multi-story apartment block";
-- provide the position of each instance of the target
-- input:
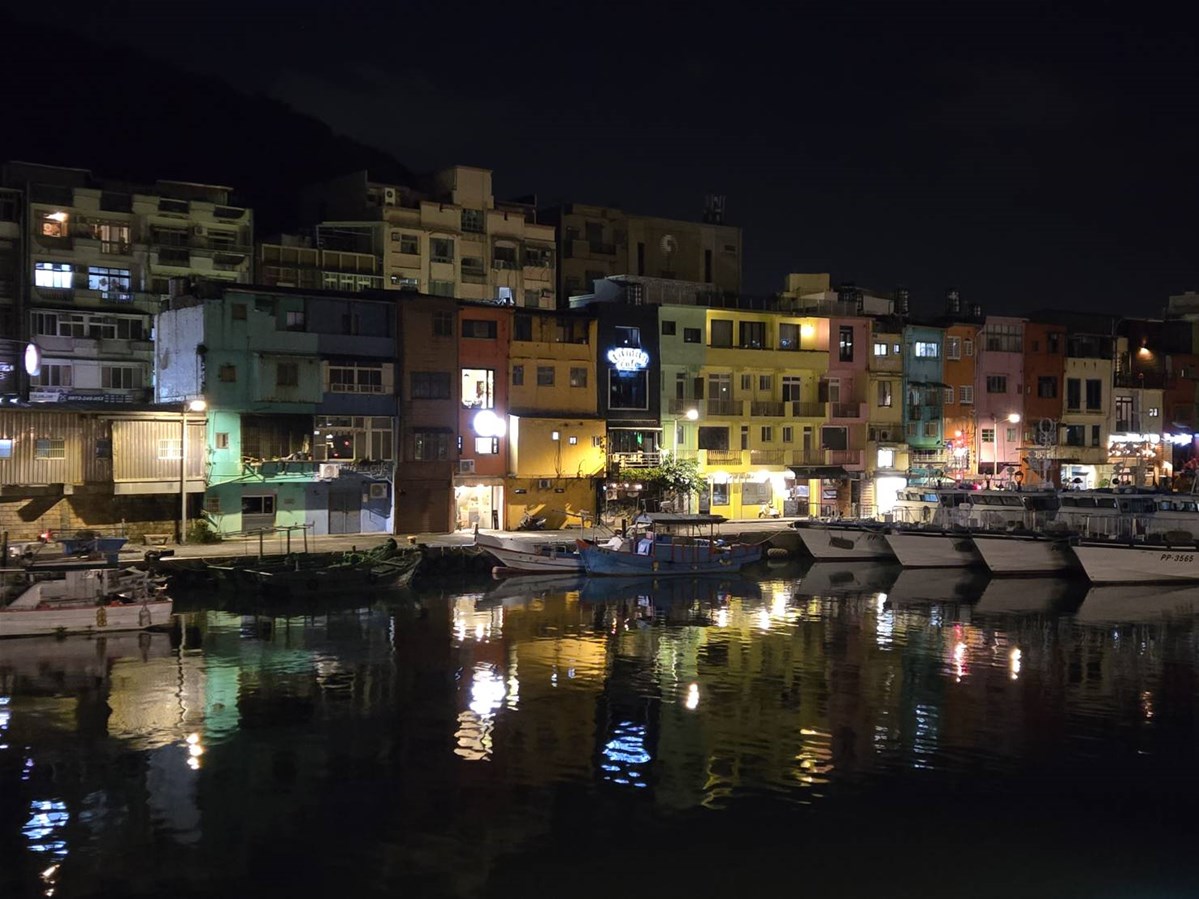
(923, 401)
(1086, 410)
(597, 242)
(446, 237)
(555, 434)
(999, 396)
(1138, 445)
(485, 332)
(98, 257)
(845, 387)
(11, 266)
(293, 260)
(299, 415)
(1044, 389)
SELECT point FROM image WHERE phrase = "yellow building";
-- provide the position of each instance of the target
(758, 398)
(886, 447)
(556, 437)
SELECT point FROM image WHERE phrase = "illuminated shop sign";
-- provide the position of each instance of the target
(628, 358)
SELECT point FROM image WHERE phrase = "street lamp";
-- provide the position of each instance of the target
(197, 405)
(1013, 418)
(690, 415)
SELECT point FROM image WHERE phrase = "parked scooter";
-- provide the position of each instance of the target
(529, 523)
(769, 511)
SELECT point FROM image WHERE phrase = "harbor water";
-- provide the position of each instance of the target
(816, 730)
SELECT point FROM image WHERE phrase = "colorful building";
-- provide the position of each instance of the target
(485, 331)
(887, 457)
(1044, 388)
(923, 404)
(999, 397)
(960, 411)
(1086, 410)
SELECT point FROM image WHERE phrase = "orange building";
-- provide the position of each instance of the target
(1044, 387)
(484, 336)
(961, 344)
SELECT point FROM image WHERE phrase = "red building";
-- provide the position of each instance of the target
(1044, 374)
(484, 335)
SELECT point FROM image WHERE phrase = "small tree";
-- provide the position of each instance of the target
(673, 480)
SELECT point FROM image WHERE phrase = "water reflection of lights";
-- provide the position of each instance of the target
(476, 722)
(814, 761)
(195, 749)
(1014, 662)
(625, 756)
(692, 700)
(1147, 704)
(45, 830)
(884, 623)
(722, 617)
(959, 660)
(763, 619)
(471, 622)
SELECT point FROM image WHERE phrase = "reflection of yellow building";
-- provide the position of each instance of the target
(556, 445)
(763, 404)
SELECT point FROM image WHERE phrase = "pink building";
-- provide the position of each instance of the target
(999, 395)
(844, 389)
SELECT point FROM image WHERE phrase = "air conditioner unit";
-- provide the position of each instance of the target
(328, 472)
(466, 466)
(389, 196)
(199, 229)
(544, 484)
(378, 491)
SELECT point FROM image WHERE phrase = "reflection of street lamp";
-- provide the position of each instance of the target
(193, 406)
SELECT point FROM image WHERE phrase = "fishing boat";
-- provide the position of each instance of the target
(1138, 563)
(87, 599)
(918, 547)
(386, 565)
(532, 555)
(1036, 554)
(826, 541)
(669, 544)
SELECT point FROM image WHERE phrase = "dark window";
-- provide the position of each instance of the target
(1094, 394)
(431, 385)
(478, 328)
(714, 438)
(628, 336)
(287, 374)
(522, 328)
(1047, 388)
(1094, 435)
(668, 327)
(578, 377)
(430, 446)
(238, 312)
(641, 258)
(722, 332)
(996, 384)
(518, 375)
(693, 335)
(845, 343)
(443, 324)
(707, 266)
(753, 335)
(1076, 435)
(1053, 342)
(834, 438)
(545, 376)
(574, 330)
(628, 389)
(1074, 395)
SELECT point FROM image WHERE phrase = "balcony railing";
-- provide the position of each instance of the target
(635, 460)
(772, 408)
(724, 407)
(800, 409)
(847, 410)
(849, 457)
(724, 457)
(767, 457)
(807, 457)
(683, 406)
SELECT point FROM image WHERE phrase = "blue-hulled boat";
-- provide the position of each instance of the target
(671, 544)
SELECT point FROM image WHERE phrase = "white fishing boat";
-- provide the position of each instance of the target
(835, 542)
(1138, 563)
(1025, 554)
(86, 600)
(532, 555)
(933, 548)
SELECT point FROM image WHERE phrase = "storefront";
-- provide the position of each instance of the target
(479, 502)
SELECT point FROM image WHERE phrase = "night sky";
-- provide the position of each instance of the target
(1031, 157)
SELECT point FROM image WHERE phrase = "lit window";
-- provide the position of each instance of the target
(880, 349)
(926, 349)
(487, 446)
(52, 274)
(478, 388)
(170, 448)
(886, 458)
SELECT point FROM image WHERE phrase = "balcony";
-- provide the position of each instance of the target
(723, 457)
(635, 460)
(724, 407)
(473, 277)
(768, 408)
(683, 406)
(849, 458)
(855, 411)
(807, 457)
(800, 409)
(767, 457)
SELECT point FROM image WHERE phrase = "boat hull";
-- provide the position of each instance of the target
(1005, 555)
(834, 544)
(532, 558)
(93, 620)
(1123, 564)
(915, 549)
(667, 560)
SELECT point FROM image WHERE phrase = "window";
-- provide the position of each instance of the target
(1004, 338)
(294, 320)
(441, 249)
(545, 376)
(503, 257)
(350, 378)
(722, 333)
(518, 375)
(53, 375)
(767, 434)
(441, 288)
(953, 348)
(886, 396)
(788, 434)
(788, 337)
(753, 335)
(472, 220)
(1053, 342)
(112, 283)
(713, 438)
(626, 336)
(287, 374)
(522, 327)
(121, 377)
(895, 348)
(988, 435)
(574, 330)
(443, 324)
(1074, 395)
(263, 504)
(948, 395)
(478, 388)
(487, 446)
(1094, 435)
(880, 348)
(996, 384)
(50, 448)
(845, 343)
(693, 335)
(532, 299)
(628, 389)
(1094, 395)
(834, 438)
(578, 377)
(409, 243)
(221, 440)
(745, 437)
(668, 327)
(430, 446)
(1010, 436)
(479, 329)
(539, 257)
(930, 429)
(966, 394)
(237, 312)
(473, 265)
(55, 224)
(1047, 387)
(747, 382)
(720, 494)
(170, 448)
(431, 385)
(52, 274)
(765, 383)
(926, 349)
(1076, 435)
(792, 388)
(968, 347)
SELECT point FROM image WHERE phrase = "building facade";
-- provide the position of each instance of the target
(485, 332)
(1044, 388)
(923, 404)
(999, 397)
